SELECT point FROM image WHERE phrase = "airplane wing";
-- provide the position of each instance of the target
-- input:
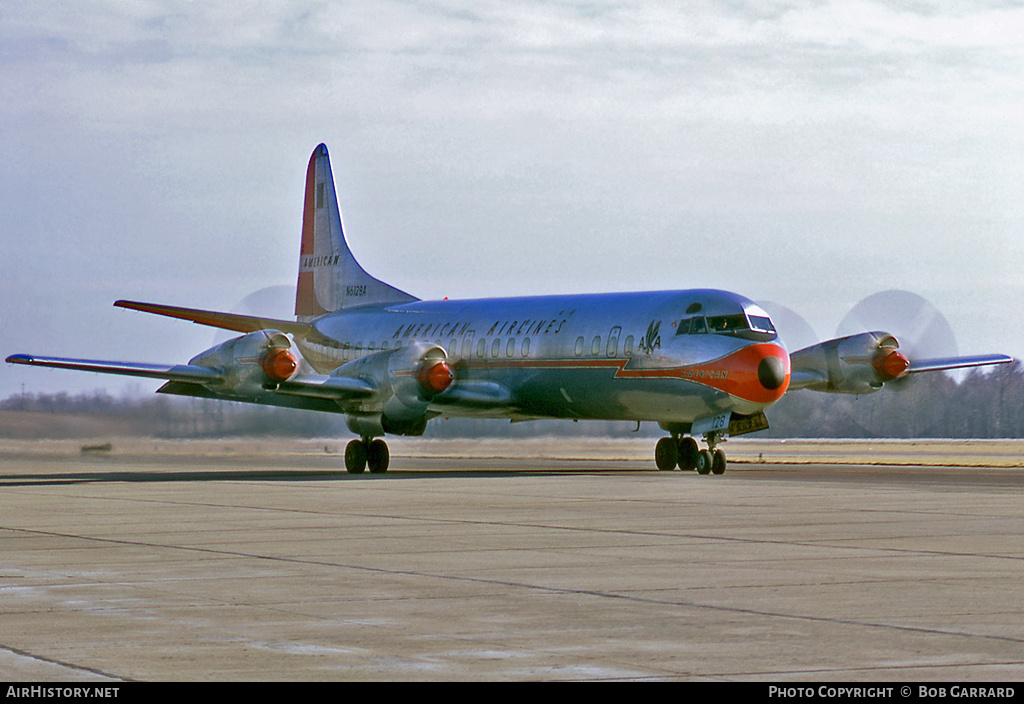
(177, 372)
(208, 382)
(941, 365)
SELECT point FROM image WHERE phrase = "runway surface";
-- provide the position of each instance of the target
(188, 565)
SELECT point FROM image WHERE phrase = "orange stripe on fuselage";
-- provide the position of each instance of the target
(735, 374)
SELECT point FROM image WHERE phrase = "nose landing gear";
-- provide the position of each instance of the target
(683, 452)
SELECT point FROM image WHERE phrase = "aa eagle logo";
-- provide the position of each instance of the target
(652, 339)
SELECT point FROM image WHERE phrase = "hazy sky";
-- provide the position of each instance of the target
(807, 154)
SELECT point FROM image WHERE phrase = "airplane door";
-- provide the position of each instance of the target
(613, 340)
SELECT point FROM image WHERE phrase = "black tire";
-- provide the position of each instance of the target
(355, 457)
(377, 457)
(688, 451)
(718, 462)
(666, 454)
(703, 462)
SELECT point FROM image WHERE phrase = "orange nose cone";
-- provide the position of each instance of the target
(279, 365)
(772, 373)
(436, 377)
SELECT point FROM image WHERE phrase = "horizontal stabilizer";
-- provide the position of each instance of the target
(176, 372)
(226, 321)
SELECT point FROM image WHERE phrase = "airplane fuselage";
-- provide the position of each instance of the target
(618, 356)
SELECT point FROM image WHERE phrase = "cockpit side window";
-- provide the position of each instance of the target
(759, 323)
(691, 326)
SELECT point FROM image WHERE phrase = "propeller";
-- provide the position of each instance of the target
(269, 302)
(922, 332)
(918, 325)
(920, 328)
(791, 326)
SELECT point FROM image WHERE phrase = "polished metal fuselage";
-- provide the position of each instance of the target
(596, 356)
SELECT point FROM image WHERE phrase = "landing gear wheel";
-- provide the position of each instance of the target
(355, 457)
(688, 451)
(703, 462)
(378, 457)
(666, 454)
(718, 462)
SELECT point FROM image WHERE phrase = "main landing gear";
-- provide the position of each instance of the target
(360, 454)
(684, 453)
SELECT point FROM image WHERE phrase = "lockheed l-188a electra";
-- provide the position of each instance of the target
(702, 364)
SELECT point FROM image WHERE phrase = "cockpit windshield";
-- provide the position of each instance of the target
(728, 323)
(752, 327)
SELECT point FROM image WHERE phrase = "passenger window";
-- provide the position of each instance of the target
(526, 347)
(495, 347)
(595, 346)
(579, 346)
(627, 346)
(480, 347)
(510, 348)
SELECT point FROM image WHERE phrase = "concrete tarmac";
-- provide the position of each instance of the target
(235, 566)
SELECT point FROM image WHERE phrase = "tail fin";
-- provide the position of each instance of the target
(330, 278)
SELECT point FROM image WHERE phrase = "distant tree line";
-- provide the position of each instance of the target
(983, 404)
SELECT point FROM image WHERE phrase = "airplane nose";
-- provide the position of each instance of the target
(771, 373)
(765, 373)
(757, 373)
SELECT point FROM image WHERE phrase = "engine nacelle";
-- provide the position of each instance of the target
(858, 364)
(252, 363)
(406, 379)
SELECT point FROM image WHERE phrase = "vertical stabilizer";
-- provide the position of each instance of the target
(330, 278)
